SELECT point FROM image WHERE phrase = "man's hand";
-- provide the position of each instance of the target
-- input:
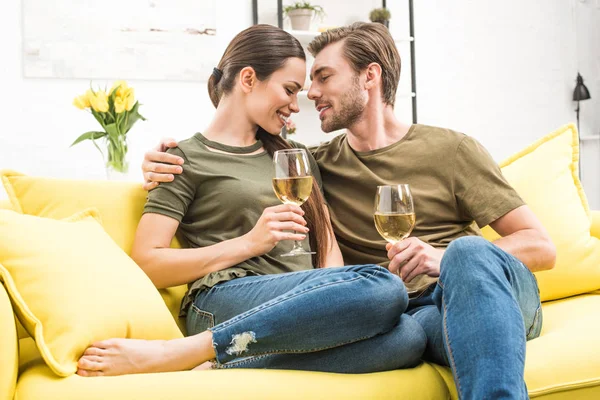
(411, 257)
(159, 166)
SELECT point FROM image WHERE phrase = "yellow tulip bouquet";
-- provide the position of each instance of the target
(116, 112)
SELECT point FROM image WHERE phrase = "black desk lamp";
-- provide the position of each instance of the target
(581, 92)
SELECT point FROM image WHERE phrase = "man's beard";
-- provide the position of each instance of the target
(351, 108)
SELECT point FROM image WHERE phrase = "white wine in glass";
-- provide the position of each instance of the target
(394, 212)
(292, 183)
(293, 190)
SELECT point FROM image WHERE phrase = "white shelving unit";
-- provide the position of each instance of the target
(591, 137)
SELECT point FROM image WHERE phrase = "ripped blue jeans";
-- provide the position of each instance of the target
(345, 320)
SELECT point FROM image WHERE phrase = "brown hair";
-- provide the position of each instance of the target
(366, 43)
(266, 49)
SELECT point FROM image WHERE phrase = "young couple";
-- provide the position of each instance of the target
(473, 304)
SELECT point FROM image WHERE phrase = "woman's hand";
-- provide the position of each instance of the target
(269, 230)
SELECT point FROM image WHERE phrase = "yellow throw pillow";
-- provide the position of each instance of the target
(545, 175)
(120, 204)
(71, 285)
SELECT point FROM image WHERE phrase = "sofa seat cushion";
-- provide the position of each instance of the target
(564, 362)
(422, 382)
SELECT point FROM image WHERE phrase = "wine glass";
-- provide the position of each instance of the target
(292, 183)
(394, 212)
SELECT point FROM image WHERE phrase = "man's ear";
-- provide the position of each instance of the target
(372, 75)
(247, 79)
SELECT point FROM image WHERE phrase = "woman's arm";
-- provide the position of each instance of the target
(334, 255)
(168, 267)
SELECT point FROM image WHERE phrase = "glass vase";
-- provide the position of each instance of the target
(117, 164)
(114, 175)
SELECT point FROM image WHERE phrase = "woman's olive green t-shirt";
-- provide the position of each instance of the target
(220, 197)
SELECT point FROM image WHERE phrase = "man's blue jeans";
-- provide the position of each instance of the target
(346, 320)
(478, 318)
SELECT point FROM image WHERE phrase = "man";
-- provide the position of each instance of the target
(477, 301)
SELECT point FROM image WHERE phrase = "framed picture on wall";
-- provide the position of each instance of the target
(110, 39)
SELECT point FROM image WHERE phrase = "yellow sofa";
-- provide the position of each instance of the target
(563, 363)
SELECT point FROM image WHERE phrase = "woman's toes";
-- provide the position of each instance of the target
(94, 351)
(90, 363)
(86, 373)
(107, 344)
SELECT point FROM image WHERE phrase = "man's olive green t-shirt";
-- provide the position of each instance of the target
(453, 180)
(220, 197)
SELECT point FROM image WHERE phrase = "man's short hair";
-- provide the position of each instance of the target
(366, 43)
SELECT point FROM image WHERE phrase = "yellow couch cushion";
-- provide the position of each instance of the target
(8, 348)
(120, 204)
(422, 382)
(28, 352)
(71, 286)
(5, 205)
(564, 362)
(545, 175)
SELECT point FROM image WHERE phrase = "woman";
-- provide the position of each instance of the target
(247, 307)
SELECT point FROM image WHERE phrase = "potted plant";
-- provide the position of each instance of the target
(301, 13)
(381, 15)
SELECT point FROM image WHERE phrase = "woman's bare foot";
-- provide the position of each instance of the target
(133, 356)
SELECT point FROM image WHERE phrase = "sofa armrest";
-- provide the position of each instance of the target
(9, 367)
(595, 229)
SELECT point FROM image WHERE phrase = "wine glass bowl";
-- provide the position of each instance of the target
(394, 212)
(292, 183)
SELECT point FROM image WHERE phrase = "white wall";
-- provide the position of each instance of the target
(504, 71)
(501, 71)
(40, 122)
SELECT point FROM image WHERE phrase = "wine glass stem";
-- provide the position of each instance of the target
(297, 245)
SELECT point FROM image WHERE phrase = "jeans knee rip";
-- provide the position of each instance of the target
(239, 343)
